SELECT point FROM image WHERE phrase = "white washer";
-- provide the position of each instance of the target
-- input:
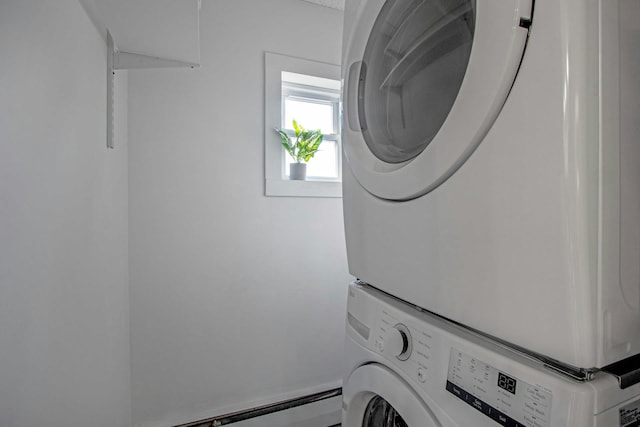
(491, 166)
(406, 367)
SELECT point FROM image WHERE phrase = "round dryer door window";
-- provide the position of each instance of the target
(424, 82)
(414, 62)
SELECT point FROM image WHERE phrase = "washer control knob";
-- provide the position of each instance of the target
(398, 342)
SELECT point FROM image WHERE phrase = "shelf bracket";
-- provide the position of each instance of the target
(110, 91)
(117, 60)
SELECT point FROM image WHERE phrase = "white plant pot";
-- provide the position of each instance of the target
(298, 171)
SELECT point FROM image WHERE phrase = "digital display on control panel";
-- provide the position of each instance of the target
(506, 383)
(506, 399)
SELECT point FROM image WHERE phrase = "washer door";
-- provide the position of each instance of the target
(424, 80)
(376, 397)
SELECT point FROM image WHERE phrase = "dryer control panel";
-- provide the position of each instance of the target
(507, 400)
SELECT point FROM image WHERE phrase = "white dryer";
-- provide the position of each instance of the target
(406, 367)
(491, 172)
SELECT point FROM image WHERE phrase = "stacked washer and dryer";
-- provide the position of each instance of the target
(491, 188)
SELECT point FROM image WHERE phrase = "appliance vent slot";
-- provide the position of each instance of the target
(627, 371)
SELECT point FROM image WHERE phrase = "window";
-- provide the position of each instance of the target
(308, 92)
(313, 102)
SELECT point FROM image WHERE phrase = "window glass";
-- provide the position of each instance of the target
(310, 113)
(314, 103)
(413, 66)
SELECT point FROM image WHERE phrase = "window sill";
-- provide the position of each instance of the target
(291, 188)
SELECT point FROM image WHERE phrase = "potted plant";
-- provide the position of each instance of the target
(301, 150)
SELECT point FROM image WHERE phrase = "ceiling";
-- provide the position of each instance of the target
(166, 29)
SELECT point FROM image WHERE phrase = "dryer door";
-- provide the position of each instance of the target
(424, 80)
(376, 397)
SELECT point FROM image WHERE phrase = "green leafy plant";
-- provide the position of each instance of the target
(306, 144)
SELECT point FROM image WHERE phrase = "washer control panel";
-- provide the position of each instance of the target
(500, 396)
(398, 340)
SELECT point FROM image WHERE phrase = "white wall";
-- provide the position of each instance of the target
(64, 331)
(236, 298)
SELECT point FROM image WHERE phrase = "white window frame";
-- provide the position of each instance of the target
(276, 182)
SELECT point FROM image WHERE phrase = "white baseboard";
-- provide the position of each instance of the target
(324, 413)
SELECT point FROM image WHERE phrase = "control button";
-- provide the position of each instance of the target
(422, 375)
